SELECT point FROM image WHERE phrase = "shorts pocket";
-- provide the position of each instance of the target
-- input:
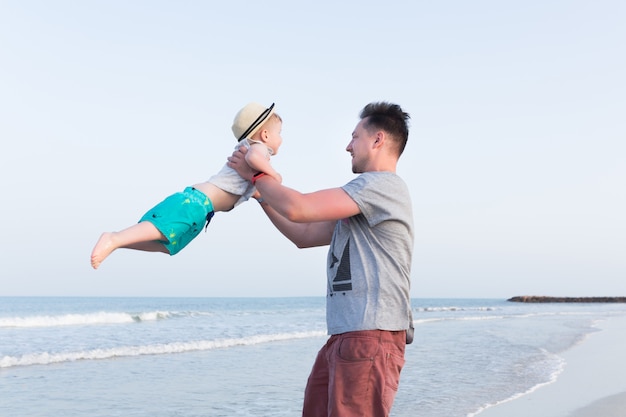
(394, 362)
(358, 348)
(353, 368)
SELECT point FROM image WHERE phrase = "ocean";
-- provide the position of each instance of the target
(167, 357)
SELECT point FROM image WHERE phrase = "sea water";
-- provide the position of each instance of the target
(166, 357)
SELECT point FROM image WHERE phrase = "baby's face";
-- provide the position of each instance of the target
(274, 140)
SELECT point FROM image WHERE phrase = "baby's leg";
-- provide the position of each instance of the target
(141, 236)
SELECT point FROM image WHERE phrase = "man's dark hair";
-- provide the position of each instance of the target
(390, 118)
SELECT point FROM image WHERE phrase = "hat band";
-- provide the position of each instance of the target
(257, 122)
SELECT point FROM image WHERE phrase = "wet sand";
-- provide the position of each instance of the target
(593, 383)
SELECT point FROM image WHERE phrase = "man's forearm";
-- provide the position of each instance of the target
(292, 231)
(278, 208)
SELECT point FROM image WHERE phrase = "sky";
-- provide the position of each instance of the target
(515, 161)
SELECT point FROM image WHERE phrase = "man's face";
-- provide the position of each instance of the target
(359, 147)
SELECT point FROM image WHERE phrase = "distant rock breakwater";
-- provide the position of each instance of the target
(544, 299)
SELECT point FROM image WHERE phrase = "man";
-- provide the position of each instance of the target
(368, 224)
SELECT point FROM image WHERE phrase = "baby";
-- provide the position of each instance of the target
(173, 223)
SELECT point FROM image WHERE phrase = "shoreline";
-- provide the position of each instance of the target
(546, 299)
(592, 380)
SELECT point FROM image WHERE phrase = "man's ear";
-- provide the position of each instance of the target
(380, 139)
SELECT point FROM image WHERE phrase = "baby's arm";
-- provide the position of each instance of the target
(258, 160)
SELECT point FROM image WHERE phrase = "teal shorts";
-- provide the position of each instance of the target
(180, 217)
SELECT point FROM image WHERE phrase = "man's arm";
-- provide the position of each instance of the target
(306, 219)
(303, 235)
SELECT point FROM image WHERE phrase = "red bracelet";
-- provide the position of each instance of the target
(257, 176)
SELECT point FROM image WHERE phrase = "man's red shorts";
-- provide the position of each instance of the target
(356, 374)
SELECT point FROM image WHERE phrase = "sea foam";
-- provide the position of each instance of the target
(97, 318)
(46, 358)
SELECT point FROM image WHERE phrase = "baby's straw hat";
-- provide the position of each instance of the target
(250, 119)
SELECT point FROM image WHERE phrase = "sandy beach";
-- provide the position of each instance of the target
(592, 384)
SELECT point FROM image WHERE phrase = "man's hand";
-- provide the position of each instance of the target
(237, 161)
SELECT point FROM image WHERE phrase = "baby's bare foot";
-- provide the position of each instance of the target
(103, 248)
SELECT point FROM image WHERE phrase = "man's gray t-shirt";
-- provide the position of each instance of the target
(369, 259)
